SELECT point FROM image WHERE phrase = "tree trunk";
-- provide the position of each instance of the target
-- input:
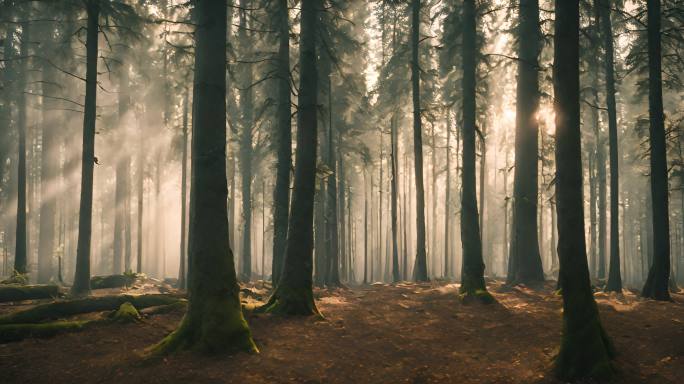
(333, 267)
(472, 273)
(49, 167)
(214, 292)
(420, 269)
(21, 242)
(393, 158)
(656, 286)
(281, 194)
(81, 284)
(447, 198)
(247, 106)
(182, 273)
(294, 293)
(122, 174)
(365, 228)
(614, 278)
(585, 349)
(524, 263)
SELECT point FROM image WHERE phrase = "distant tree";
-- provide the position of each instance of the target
(585, 349)
(214, 322)
(294, 292)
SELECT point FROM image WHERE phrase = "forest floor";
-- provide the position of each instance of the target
(406, 333)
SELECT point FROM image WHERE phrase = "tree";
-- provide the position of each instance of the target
(214, 322)
(524, 262)
(281, 193)
(20, 253)
(585, 348)
(294, 292)
(656, 286)
(182, 273)
(614, 279)
(420, 269)
(472, 274)
(81, 284)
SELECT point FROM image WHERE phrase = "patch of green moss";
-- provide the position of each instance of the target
(479, 295)
(16, 332)
(126, 314)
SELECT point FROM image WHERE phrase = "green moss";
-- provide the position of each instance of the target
(17, 292)
(586, 351)
(65, 308)
(292, 302)
(112, 281)
(126, 314)
(16, 332)
(214, 325)
(16, 278)
(479, 295)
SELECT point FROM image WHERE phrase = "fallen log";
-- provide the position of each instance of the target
(16, 332)
(112, 281)
(65, 308)
(15, 292)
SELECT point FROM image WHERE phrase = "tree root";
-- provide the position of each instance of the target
(66, 308)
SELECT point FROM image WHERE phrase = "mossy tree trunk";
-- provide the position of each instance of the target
(82, 276)
(472, 273)
(214, 322)
(656, 286)
(585, 348)
(294, 292)
(524, 262)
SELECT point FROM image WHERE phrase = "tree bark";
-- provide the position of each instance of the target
(21, 242)
(420, 269)
(472, 273)
(81, 284)
(585, 349)
(656, 286)
(182, 270)
(525, 265)
(294, 292)
(614, 277)
(396, 277)
(214, 321)
(281, 194)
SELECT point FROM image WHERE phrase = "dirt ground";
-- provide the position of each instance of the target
(409, 333)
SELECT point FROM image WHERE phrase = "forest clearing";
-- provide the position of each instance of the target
(333, 191)
(403, 333)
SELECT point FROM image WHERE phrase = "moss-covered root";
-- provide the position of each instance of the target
(16, 278)
(291, 302)
(213, 326)
(17, 332)
(586, 352)
(16, 292)
(66, 308)
(474, 290)
(125, 314)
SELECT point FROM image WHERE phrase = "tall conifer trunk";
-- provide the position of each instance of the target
(214, 322)
(524, 262)
(656, 286)
(82, 275)
(585, 348)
